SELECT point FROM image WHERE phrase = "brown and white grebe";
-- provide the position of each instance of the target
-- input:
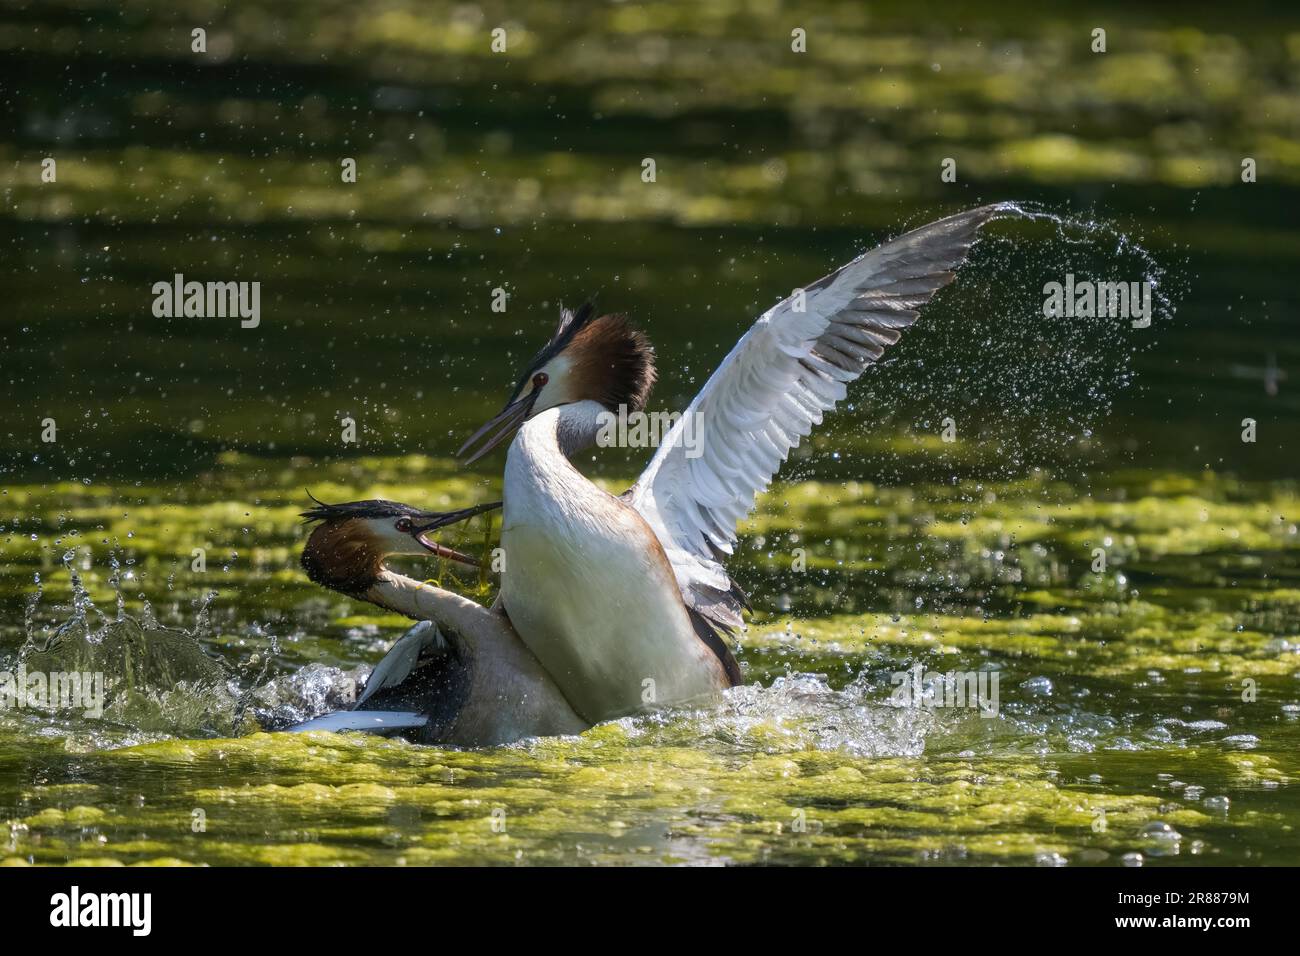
(625, 600)
(460, 677)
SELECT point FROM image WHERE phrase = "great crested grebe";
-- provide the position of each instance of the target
(462, 676)
(625, 599)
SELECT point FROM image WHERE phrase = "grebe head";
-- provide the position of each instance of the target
(603, 359)
(346, 551)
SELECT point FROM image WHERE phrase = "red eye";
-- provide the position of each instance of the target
(403, 525)
(540, 379)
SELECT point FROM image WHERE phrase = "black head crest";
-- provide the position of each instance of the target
(371, 508)
(571, 323)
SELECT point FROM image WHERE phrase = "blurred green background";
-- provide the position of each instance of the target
(522, 170)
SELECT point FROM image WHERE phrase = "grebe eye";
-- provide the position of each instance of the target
(404, 525)
(540, 379)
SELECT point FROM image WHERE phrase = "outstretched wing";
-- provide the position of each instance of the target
(769, 392)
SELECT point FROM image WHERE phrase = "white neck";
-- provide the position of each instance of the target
(424, 602)
(539, 476)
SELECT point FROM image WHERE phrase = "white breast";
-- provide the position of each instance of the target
(587, 587)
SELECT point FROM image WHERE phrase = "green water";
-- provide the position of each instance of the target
(1162, 692)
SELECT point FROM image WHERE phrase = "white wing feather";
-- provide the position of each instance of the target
(768, 393)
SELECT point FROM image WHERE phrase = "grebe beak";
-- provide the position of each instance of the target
(509, 418)
(442, 520)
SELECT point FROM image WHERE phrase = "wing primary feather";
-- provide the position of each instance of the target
(775, 384)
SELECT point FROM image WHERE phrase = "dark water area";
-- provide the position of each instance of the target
(226, 167)
(400, 345)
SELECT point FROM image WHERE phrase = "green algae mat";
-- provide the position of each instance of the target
(1147, 713)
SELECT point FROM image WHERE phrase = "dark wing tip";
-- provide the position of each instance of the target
(980, 215)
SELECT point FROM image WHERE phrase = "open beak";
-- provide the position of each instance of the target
(509, 419)
(442, 520)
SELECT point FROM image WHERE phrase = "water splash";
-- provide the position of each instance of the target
(79, 623)
(163, 681)
(797, 712)
(1015, 388)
